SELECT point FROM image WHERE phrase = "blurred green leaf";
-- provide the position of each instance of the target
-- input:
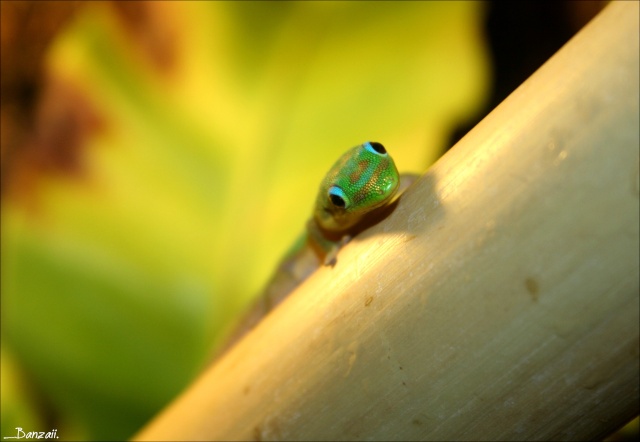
(17, 405)
(117, 284)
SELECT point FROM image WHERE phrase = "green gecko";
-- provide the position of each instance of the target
(364, 179)
(357, 192)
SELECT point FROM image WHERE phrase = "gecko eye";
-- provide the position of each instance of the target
(338, 197)
(375, 147)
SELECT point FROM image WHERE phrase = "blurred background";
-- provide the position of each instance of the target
(158, 158)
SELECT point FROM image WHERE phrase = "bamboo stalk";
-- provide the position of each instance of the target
(498, 301)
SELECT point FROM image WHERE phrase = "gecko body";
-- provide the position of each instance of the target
(357, 192)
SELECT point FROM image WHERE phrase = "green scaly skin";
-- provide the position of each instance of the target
(360, 185)
(363, 179)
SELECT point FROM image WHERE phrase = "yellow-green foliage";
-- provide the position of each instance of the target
(115, 288)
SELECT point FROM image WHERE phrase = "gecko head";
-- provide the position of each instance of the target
(363, 179)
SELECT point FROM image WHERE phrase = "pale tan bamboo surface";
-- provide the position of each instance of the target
(498, 302)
